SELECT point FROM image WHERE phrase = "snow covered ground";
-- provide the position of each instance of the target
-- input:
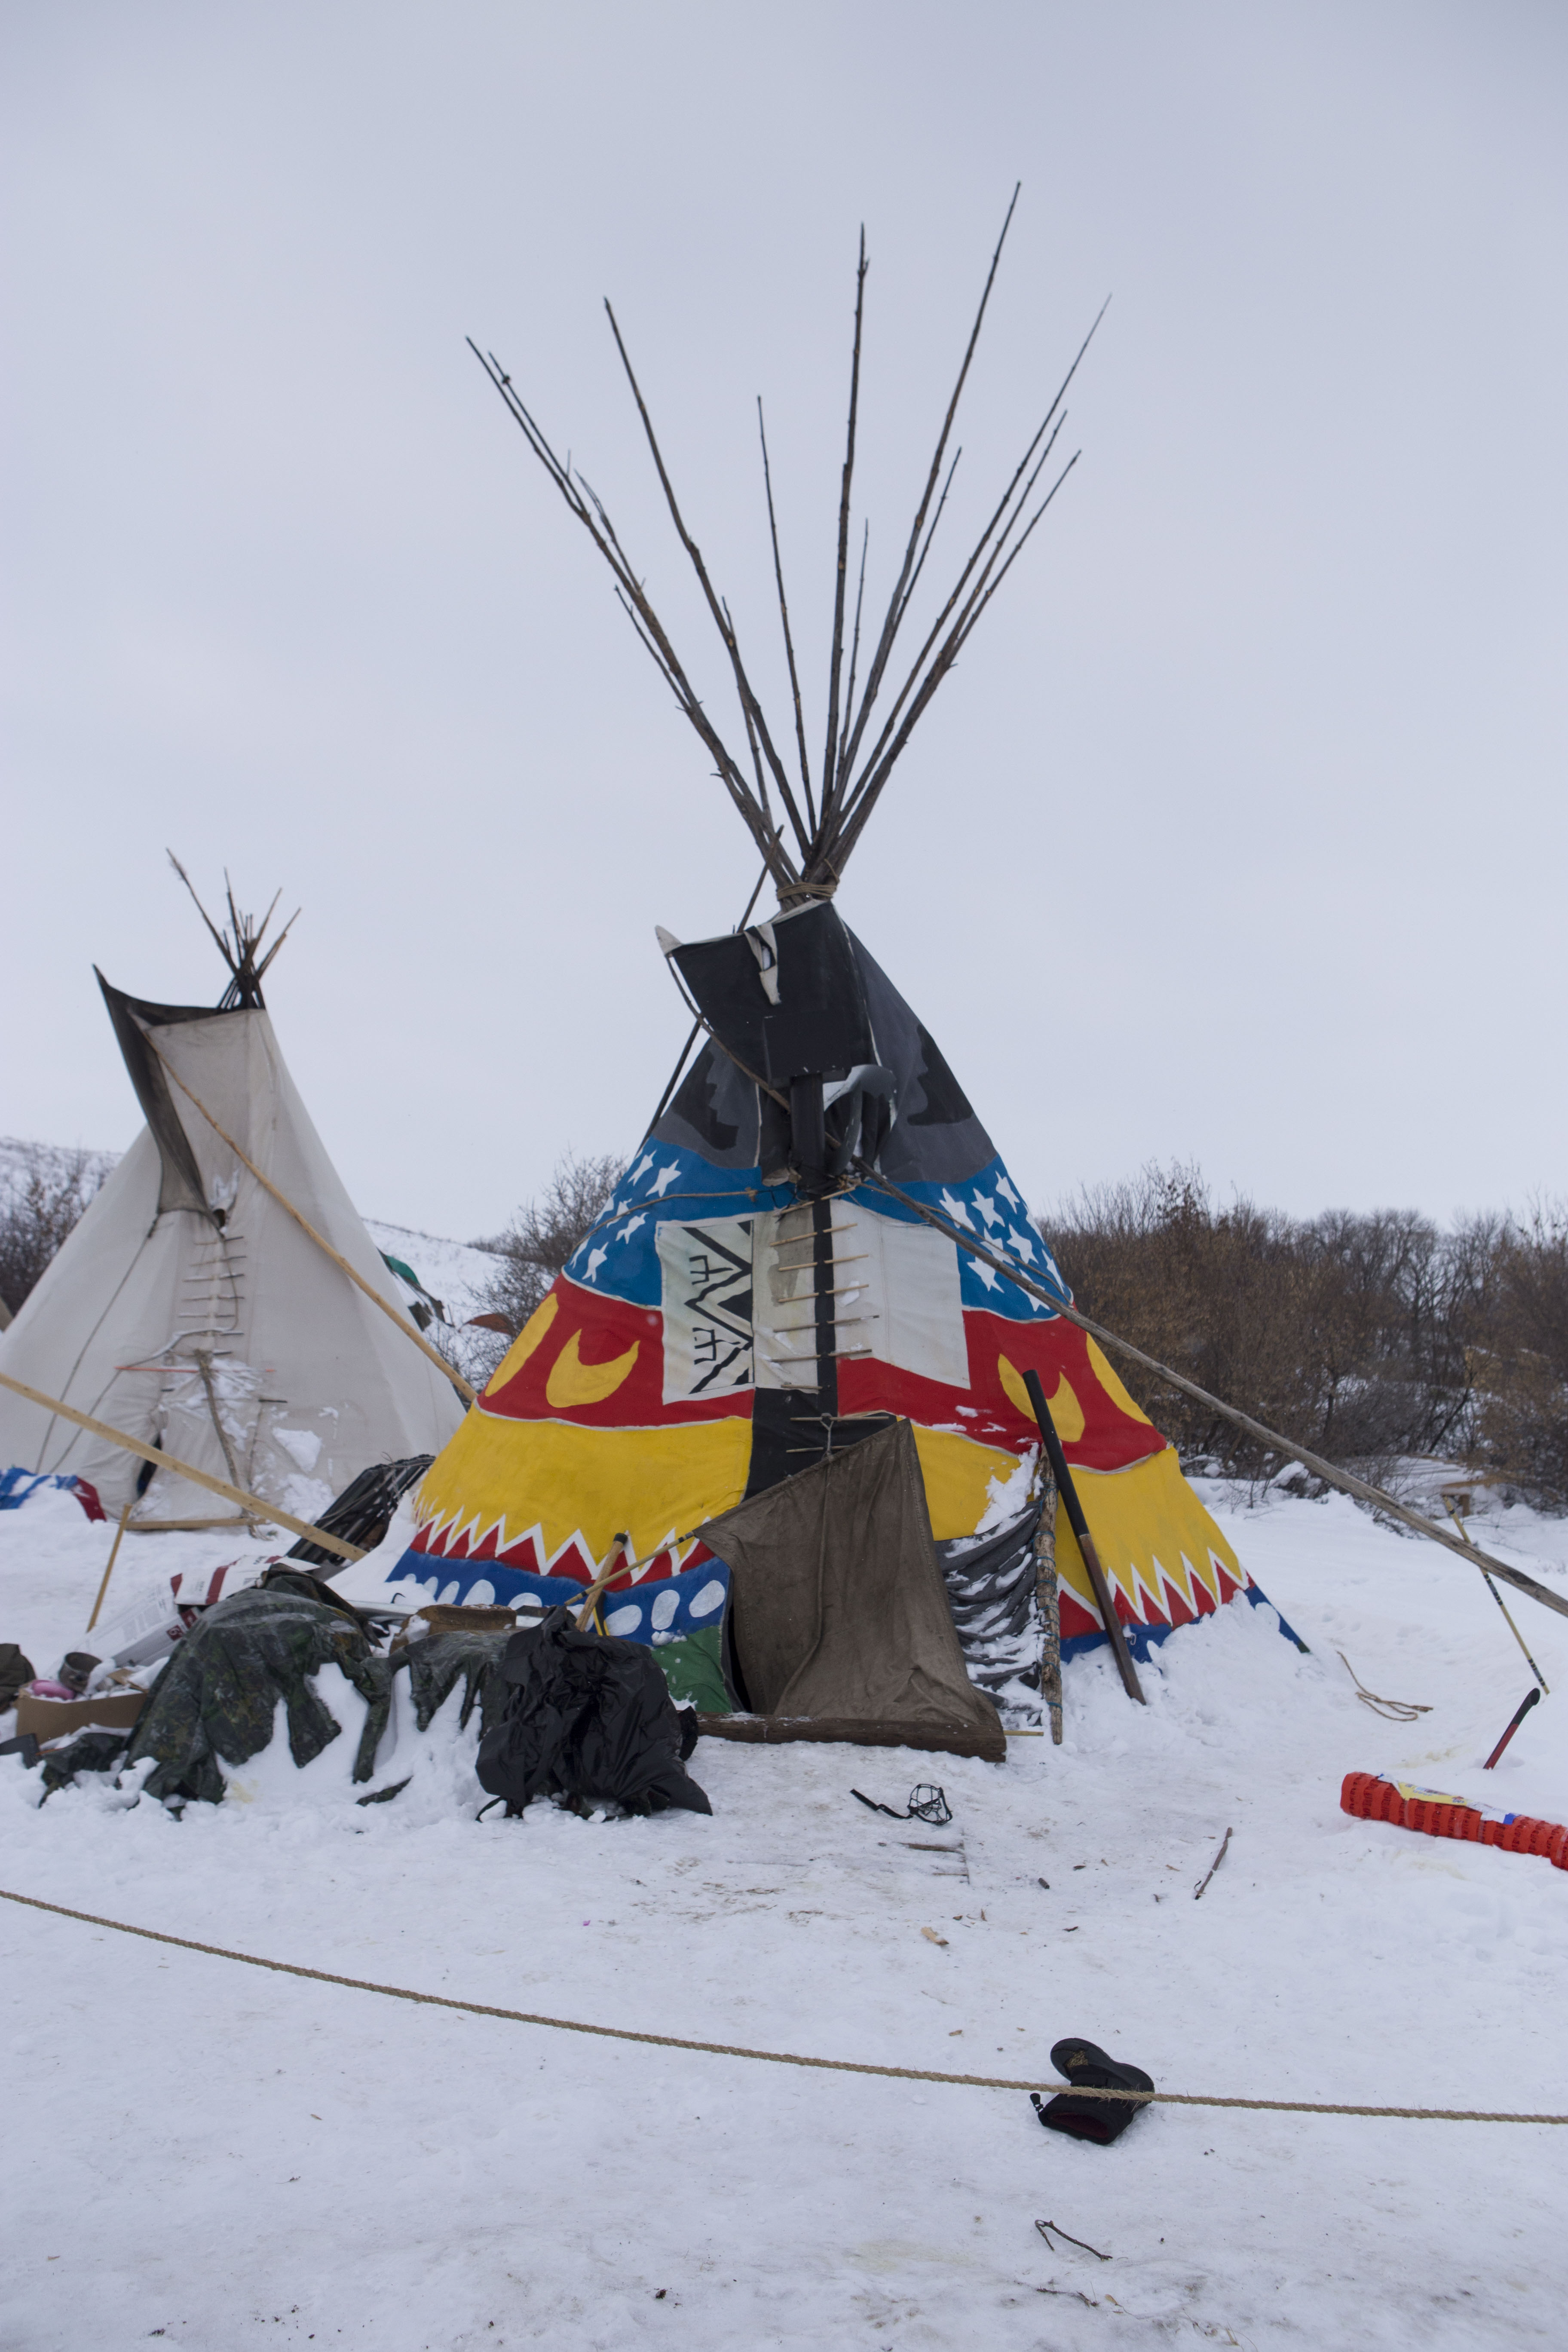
(465, 2182)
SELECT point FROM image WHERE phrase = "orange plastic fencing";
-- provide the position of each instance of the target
(1371, 1799)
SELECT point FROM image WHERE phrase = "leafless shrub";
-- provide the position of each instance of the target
(543, 1233)
(1519, 1361)
(43, 1191)
(1353, 1335)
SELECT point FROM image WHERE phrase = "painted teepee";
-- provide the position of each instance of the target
(783, 1269)
(739, 1311)
(190, 1311)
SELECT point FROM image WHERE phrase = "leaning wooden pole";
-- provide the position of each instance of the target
(1067, 1489)
(269, 1513)
(114, 1555)
(1047, 1591)
(409, 1330)
(1330, 1472)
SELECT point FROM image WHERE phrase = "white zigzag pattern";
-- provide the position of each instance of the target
(446, 1532)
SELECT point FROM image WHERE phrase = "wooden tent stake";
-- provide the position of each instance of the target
(1049, 1591)
(1068, 1490)
(251, 1505)
(375, 1296)
(114, 1555)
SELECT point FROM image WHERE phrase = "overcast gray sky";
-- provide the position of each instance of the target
(1239, 833)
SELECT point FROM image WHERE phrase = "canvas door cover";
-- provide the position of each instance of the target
(838, 1609)
(718, 1323)
(189, 1309)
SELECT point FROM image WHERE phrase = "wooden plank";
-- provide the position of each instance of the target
(770, 1730)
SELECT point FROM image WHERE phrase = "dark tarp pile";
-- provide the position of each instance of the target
(840, 1619)
(587, 1717)
(217, 1696)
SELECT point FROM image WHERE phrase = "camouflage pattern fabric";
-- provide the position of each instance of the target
(218, 1695)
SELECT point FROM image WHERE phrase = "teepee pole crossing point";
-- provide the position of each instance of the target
(613, 1567)
(1079, 1526)
(252, 1505)
(1330, 1472)
(375, 1296)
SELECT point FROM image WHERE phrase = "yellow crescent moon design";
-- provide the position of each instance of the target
(571, 1382)
(526, 1341)
(1099, 1364)
(1066, 1409)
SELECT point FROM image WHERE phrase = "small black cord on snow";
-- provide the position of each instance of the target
(927, 1803)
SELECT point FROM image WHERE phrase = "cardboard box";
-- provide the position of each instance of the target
(56, 1719)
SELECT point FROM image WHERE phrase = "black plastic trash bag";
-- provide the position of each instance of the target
(586, 1717)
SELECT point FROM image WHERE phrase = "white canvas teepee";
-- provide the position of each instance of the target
(189, 1309)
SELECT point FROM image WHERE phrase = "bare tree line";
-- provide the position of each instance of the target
(543, 1233)
(43, 1191)
(1365, 1337)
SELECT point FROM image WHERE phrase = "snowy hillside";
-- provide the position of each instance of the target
(454, 1271)
(465, 2181)
(57, 1163)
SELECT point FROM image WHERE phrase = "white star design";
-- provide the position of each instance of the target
(595, 1260)
(644, 1164)
(957, 1212)
(1004, 1191)
(987, 1208)
(665, 1179)
(986, 1273)
(1025, 1247)
(628, 1230)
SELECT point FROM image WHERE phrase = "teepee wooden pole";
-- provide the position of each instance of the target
(612, 1566)
(407, 1329)
(252, 1505)
(1068, 1490)
(1047, 1591)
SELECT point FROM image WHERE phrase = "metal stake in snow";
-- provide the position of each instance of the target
(1523, 1708)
